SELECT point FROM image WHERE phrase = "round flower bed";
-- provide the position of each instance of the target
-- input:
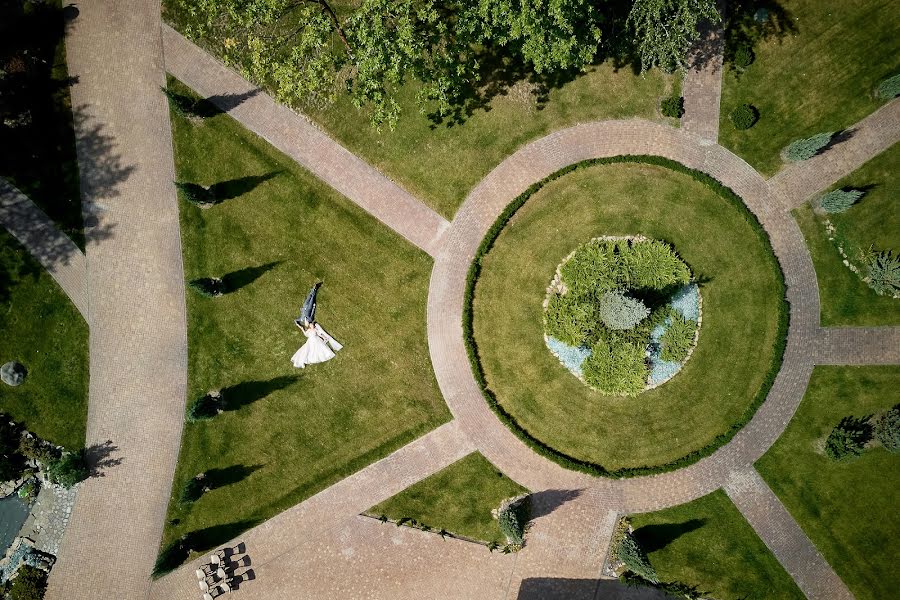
(622, 314)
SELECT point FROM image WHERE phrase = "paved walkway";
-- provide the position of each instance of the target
(858, 346)
(702, 86)
(305, 143)
(53, 249)
(799, 181)
(783, 536)
(138, 350)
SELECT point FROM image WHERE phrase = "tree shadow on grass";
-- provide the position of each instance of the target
(201, 540)
(746, 26)
(242, 394)
(219, 478)
(243, 277)
(656, 537)
(234, 188)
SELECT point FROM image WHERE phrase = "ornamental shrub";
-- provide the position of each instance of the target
(837, 201)
(887, 429)
(652, 264)
(569, 319)
(848, 438)
(743, 57)
(593, 269)
(618, 369)
(511, 526)
(618, 311)
(205, 407)
(209, 287)
(193, 489)
(806, 148)
(30, 584)
(196, 194)
(889, 88)
(744, 116)
(34, 448)
(884, 272)
(673, 106)
(181, 105)
(635, 560)
(677, 339)
(69, 469)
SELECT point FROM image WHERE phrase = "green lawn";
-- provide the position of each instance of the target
(44, 331)
(708, 544)
(458, 498)
(817, 75)
(291, 432)
(849, 508)
(39, 156)
(846, 300)
(737, 338)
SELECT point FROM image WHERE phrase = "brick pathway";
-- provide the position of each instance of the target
(858, 346)
(53, 249)
(305, 143)
(135, 287)
(783, 536)
(702, 86)
(797, 182)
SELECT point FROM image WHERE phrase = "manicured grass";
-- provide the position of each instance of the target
(459, 499)
(292, 432)
(44, 331)
(708, 544)
(39, 157)
(737, 338)
(818, 75)
(849, 508)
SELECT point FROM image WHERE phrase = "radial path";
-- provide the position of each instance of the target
(138, 357)
(702, 85)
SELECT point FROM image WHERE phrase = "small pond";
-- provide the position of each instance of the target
(13, 513)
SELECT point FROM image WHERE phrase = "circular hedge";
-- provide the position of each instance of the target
(622, 314)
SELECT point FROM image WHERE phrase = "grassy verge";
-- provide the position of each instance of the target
(289, 433)
(816, 71)
(458, 499)
(849, 508)
(744, 315)
(44, 331)
(708, 544)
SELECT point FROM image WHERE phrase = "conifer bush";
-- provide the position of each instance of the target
(837, 201)
(848, 438)
(884, 272)
(678, 338)
(889, 88)
(635, 560)
(618, 311)
(673, 106)
(887, 429)
(196, 194)
(209, 287)
(743, 57)
(744, 116)
(806, 148)
(69, 469)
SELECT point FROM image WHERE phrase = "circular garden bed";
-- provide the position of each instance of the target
(626, 426)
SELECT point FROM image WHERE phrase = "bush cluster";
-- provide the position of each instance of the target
(743, 57)
(848, 438)
(884, 272)
(30, 584)
(887, 429)
(889, 88)
(806, 148)
(635, 560)
(837, 201)
(678, 338)
(673, 106)
(69, 469)
(744, 116)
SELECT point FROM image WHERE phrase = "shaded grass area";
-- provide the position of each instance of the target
(848, 508)
(845, 298)
(738, 340)
(38, 155)
(44, 331)
(458, 499)
(708, 544)
(816, 73)
(290, 432)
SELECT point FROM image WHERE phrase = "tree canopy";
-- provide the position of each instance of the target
(665, 29)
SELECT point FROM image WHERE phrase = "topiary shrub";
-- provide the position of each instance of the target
(193, 489)
(672, 106)
(209, 287)
(806, 148)
(848, 438)
(887, 429)
(68, 470)
(744, 116)
(205, 407)
(884, 272)
(889, 88)
(678, 338)
(635, 560)
(617, 369)
(837, 201)
(30, 584)
(618, 311)
(511, 519)
(196, 194)
(181, 105)
(743, 57)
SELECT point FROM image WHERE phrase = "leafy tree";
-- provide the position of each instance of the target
(848, 438)
(665, 29)
(618, 311)
(884, 272)
(887, 429)
(29, 584)
(69, 469)
(634, 558)
(838, 201)
(806, 148)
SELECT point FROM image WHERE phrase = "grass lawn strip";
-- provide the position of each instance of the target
(288, 433)
(708, 544)
(818, 75)
(719, 388)
(458, 499)
(44, 331)
(847, 508)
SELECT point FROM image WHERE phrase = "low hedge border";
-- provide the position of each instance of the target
(548, 451)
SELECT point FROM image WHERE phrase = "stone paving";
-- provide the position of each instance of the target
(702, 86)
(49, 517)
(53, 249)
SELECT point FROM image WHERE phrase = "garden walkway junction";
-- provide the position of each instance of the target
(129, 286)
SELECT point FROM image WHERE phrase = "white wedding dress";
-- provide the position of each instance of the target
(318, 348)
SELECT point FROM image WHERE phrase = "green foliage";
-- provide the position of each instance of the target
(616, 369)
(569, 318)
(11, 462)
(837, 201)
(673, 106)
(209, 287)
(889, 88)
(196, 194)
(34, 448)
(512, 523)
(618, 311)
(887, 429)
(30, 584)
(180, 104)
(29, 490)
(806, 148)
(652, 264)
(634, 558)
(665, 29)
(744, 116)
(848, 438)
(743, 57)
(884, 272)
(678, 338)
(204, 408)
(193, 489)
(69, 469)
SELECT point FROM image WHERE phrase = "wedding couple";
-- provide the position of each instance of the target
(319, 346)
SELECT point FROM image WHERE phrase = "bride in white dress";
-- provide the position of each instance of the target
(318, 348)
